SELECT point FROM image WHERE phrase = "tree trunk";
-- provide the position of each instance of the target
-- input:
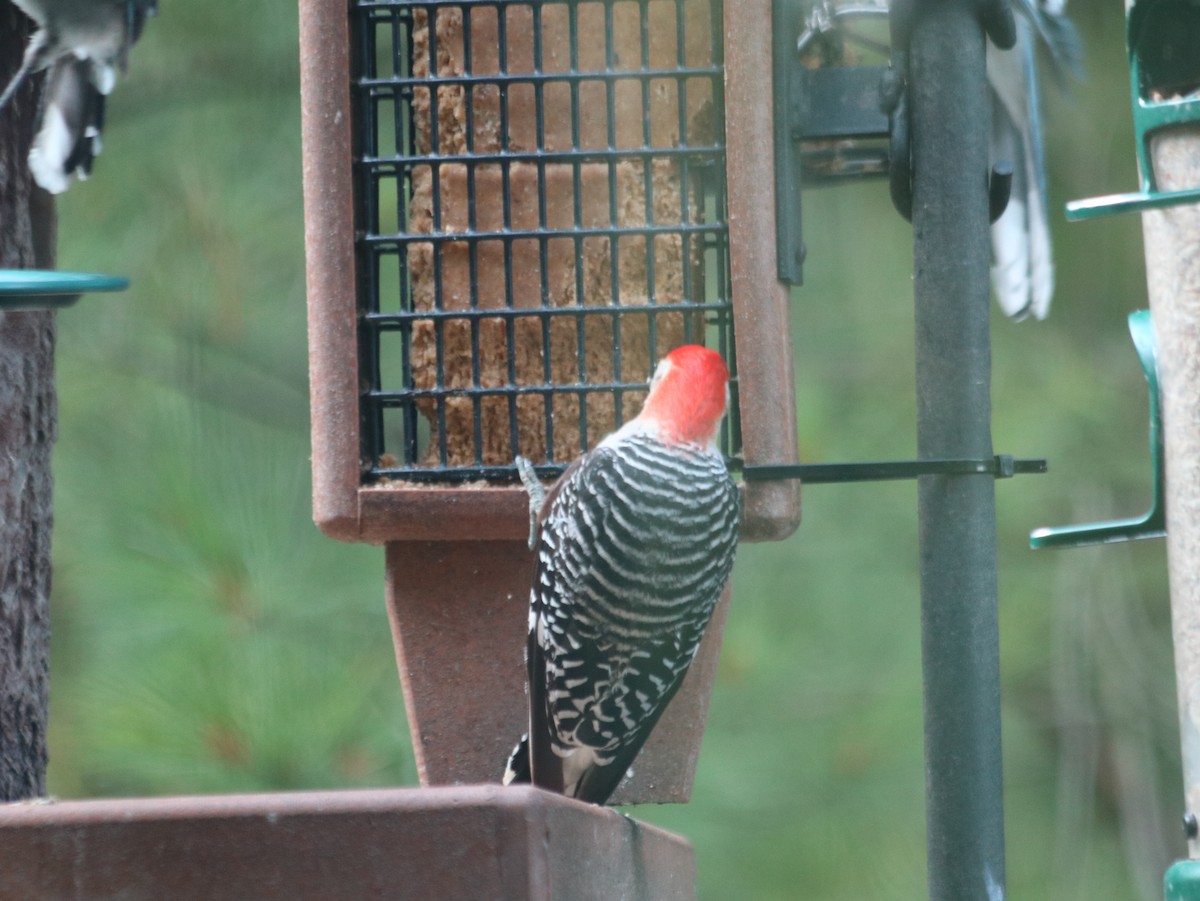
(28, 415)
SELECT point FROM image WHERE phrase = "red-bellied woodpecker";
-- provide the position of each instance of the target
(636, 543)
(84, 43)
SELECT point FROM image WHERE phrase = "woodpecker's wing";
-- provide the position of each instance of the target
(636, 546)
(522, 764)
(518, 767)
(586, 774)
(568, 475)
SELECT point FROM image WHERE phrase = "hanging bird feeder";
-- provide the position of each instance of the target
(514, 210)
(1164, 75)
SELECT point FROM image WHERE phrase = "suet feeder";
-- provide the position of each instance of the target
(514, 209)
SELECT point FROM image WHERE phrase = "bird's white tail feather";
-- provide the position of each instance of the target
(68, 138)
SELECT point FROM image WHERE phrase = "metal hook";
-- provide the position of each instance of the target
(895, 101)
(998, 22)
(997, 19)
(1154, 523)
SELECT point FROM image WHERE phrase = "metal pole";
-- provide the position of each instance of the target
(959, 633)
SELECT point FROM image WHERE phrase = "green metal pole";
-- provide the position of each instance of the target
(960, 638)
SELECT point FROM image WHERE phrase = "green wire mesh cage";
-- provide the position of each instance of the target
(541, 216)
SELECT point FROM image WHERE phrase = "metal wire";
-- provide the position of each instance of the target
(483, 154)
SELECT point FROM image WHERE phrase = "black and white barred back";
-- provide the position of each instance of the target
(637, 543)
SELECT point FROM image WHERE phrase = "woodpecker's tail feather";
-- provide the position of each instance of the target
(517, 769)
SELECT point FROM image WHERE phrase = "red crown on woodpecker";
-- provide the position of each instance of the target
(688, 396)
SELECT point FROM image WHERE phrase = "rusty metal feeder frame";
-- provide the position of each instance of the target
(513, 208)
(453, 842)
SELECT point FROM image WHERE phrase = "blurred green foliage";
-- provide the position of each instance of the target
(208, 639)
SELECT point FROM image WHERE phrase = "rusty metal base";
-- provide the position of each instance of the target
(441, 844)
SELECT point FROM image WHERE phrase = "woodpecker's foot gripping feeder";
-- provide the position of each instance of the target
(537, 494)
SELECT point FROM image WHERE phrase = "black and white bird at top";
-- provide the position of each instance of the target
(1022, 256)
(84, 45)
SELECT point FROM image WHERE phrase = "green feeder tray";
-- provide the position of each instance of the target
(35, 289)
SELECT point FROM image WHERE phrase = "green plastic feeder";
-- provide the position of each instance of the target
(1153, 524)
(1161, 36)
(36, 289)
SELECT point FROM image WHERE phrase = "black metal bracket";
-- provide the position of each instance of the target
(786, 21)
(821, 108)
(1001, 466)
(998, 23)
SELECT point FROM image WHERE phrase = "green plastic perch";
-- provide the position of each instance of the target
(1154, 523)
